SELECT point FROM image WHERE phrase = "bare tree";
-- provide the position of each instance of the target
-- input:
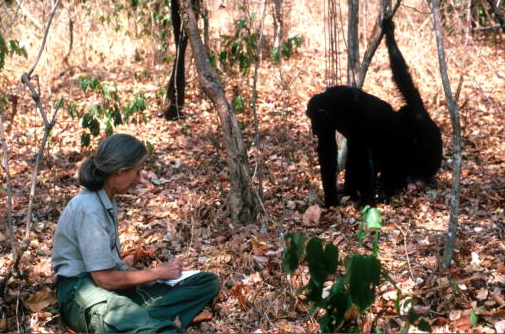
(454, 113)
(48, 125)
(242, 201)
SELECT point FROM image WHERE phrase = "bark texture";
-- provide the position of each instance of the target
(242, 203)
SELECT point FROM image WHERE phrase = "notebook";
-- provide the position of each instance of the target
(184, 275)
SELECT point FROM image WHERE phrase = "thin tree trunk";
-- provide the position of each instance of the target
(454, 113)
(242, 203)
(257, 144)
(352, 42)
(375, 40)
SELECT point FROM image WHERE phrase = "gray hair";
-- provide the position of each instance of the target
(115, 153)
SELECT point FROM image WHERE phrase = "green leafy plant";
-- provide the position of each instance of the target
(239, 49)
(336, 294)
(238, 103)
(108, 112)
(286, 49)
(7, 49)
(12, 47)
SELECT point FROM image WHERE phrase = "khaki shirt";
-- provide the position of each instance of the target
(86, 238)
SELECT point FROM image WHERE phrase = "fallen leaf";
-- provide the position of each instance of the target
(454, 315)
(312, 215)
(421, 310)
(482, 294)
(500, 326)
(463, 324)
(40, 300)
(260, 260)
(202, 316)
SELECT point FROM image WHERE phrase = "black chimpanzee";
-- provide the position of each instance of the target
(375, 140)
(386, 149)
(424, 141)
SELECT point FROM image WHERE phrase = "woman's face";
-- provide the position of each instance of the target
(130, 177)
(122, 181)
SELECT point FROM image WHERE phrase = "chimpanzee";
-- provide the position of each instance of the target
(375, 140)
(424, 141)
(386, 149)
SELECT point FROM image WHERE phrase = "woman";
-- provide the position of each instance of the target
(96, 291)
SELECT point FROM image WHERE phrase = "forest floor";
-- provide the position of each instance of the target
(183, 213)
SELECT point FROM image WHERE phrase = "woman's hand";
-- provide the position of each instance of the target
(118, 279)
(170, 270)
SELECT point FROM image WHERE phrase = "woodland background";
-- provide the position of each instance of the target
(180, 207)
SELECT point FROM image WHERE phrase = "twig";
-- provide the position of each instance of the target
(44, 39)
(483, 275)
(14, 16)
(260, 313)
(10, 229)
(406, 252)
(17, 307)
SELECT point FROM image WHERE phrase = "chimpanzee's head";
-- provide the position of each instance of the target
(319, 113)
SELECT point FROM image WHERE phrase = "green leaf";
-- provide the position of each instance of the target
(412, 316)
(85, 139)
(338, 303)
(364, 277)
(86, 119)
(330, 256)
(361, 235)
(373, 219)
(241, 23)
(424, 325)
(325, 324)
(474, 318)
(238, 103)
(3, 51)
(314, 291)
(109, 130)
(94, 127)
(295, 243)
(316, 261)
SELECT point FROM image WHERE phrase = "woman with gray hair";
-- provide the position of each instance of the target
(97, 292)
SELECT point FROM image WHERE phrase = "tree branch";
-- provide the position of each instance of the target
(375, 40)
(30, 72)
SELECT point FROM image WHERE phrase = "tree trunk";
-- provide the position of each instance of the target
(375, 39)
(242, 203)
(352, 42)
(176, 85)
(453, 111)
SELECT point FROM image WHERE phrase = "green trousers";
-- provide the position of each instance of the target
(148, 308)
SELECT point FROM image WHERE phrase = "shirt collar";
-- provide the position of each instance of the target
(107, 203)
